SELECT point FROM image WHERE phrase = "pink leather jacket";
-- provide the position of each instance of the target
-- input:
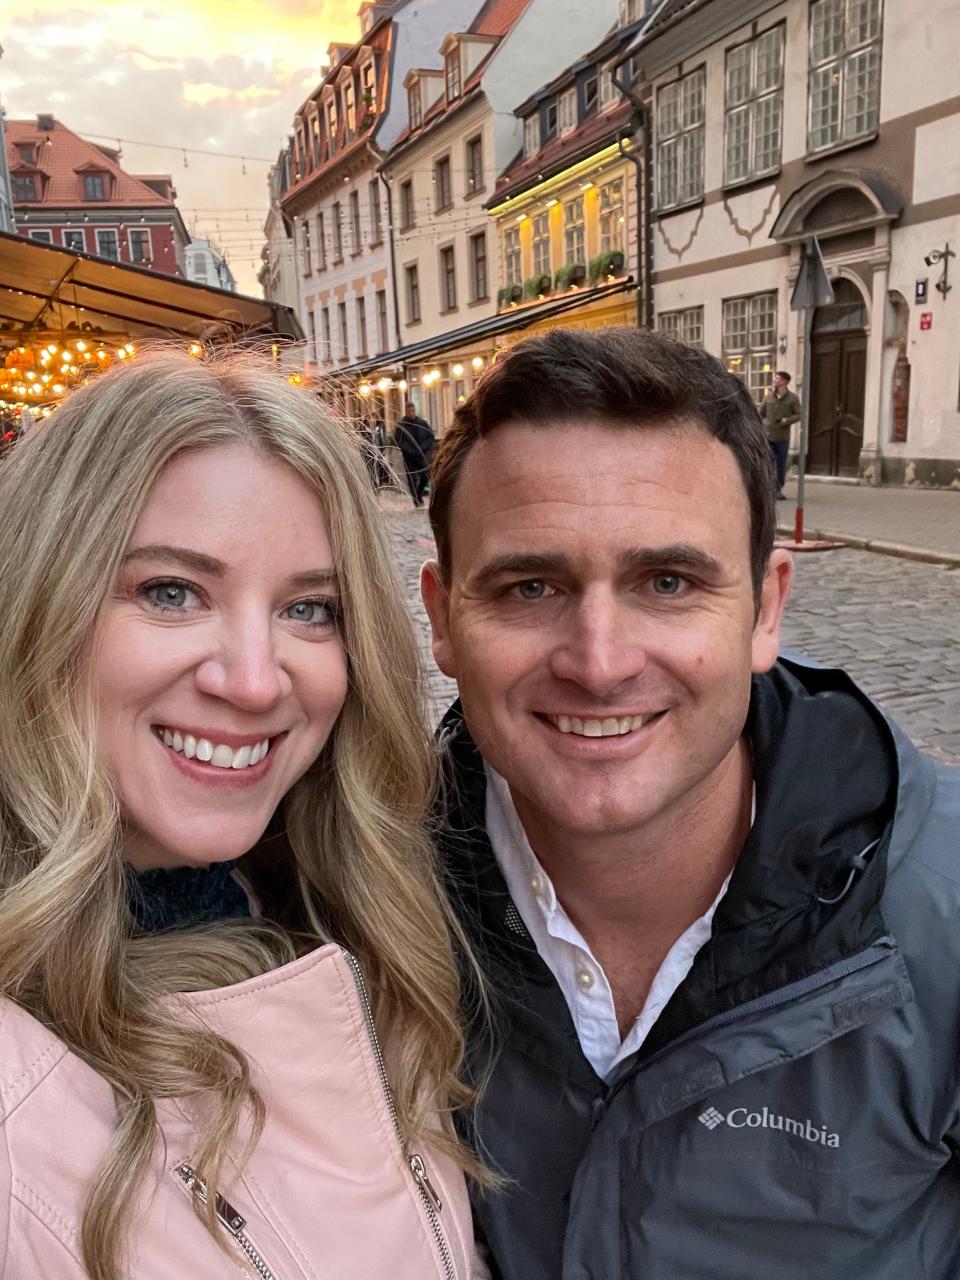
(328, 1192)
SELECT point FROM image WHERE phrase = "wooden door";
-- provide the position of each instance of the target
(838, 385)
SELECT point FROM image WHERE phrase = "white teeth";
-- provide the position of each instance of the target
(610, 727)
(216, 753)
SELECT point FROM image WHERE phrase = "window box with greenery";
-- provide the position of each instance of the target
(537, 287)
(509, 294)
(606, 265)
(570, 274)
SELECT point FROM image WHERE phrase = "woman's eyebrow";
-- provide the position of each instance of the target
(194, 560)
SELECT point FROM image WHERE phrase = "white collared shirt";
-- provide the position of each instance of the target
(566, 952)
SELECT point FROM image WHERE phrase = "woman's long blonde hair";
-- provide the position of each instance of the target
(69, 953)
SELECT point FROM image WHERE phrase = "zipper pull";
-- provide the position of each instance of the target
(227, 1215)
(419, 1170)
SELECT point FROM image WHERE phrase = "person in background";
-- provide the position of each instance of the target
(779, 411)
(229, 1003)
(416, 442)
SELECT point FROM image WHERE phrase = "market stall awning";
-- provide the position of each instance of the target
(510, 321)
(43, 287)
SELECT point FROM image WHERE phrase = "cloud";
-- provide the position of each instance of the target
(201, 95)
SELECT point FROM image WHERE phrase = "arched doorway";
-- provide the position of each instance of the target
(838, 383)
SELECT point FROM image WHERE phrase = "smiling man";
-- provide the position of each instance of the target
(674, 855)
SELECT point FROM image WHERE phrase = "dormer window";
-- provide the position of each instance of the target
(368, 80)
(24, 186)
(531, 135)
(332, 121)
(95, 186)
(414, 105)
(350, 108)
(27, 151)
(567, 112)
(451, 70)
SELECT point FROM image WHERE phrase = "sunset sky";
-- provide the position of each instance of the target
(219, 75)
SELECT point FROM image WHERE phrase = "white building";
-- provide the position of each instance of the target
(277, 274)
(840, 118)
(205, 264)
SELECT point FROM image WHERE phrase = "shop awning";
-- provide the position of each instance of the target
(43, 287)
(510, 321)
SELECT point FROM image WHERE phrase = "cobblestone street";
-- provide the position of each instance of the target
(892, 624)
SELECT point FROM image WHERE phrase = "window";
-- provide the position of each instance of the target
(574, 231)
(27, 152)
(512, 257)
(541, 244)
(474, 164)
(567, 112)
(336, 213)
(382, 334)
(368, 80)
(24, 186)
(312, 353)
(478, 267)
(74, 241)
(680, 140)
(321, 243)
(408, 216)
(376, 225)
(315, 139)
(549, 122)
(686, 326)
(413, 293)
(41, 237)
(350, 107)
(448, 279)
(356, 232)
(443, 192)
(138, 238)
(609, 93)
(332, 122)
(451, 70)
(307, 258)
(753, 101)
(198, 264)
(361, 325)
(611, 217)
(325, 333)
(844, 71)
(94, 186)
(590, 91)
(107, 244)
(342, 327)
(749, 340)
(413, 106)
(531, 135)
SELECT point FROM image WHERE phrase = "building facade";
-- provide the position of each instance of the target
(74, 194)
(205, 264)
(277, 276)
(772, 122)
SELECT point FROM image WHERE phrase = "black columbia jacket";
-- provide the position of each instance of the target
(794, 1111)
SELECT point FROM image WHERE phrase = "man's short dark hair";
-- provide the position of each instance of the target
(782, 373)
(619, 376)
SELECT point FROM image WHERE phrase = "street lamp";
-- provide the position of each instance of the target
(943, 255)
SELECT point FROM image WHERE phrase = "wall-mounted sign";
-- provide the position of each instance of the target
(926, 319)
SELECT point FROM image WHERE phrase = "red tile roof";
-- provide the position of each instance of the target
(497, 17)
(64, 161)
(556, 151)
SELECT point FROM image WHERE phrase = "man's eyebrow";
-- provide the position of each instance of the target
(198, 562)
(678, 555)
(528, 564)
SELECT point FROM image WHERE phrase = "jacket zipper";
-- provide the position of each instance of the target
(228, 1217)
(431, 1201)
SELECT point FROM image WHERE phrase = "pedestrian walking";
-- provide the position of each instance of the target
(716, 894)
(204, 802)
(778, 412)
(415, 440)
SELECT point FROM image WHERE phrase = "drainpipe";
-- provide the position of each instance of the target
(644, 168)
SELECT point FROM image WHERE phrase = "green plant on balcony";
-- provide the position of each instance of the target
(509, 294)
(609, 263)
(537, 286)
(569, 274)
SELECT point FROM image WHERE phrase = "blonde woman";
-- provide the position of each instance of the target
(228, 1005)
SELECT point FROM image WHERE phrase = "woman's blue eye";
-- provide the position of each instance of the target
(313, 613)
(169, 595)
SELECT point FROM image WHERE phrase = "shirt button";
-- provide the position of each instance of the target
(536, 884)
(585, 979)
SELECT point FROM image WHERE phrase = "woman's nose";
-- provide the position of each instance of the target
(246, 670)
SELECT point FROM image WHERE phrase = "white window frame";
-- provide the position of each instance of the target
(531, 134)
(443, 191)
(845, 54)
(574, 231)
(474, 176)
(305, 245)
(325, 335)
(567, 112)
(356, 223)
(609, 93)
(684, 325)
(321, 243)
(136, 231)
(479, 267)
(108, 231)
(104, 180)
(414, 107)
(542, 256)
(41, 236)
(448, 278)
(680, 140)
(452, 75)
(753, 107)
(512, 256)
(361, 304)
(343, 330)
(336, 213)
(74, 231)
(34, 185)
(411, 279)
(611, 208)
(376, 219)
(749, 339)
(408, 205)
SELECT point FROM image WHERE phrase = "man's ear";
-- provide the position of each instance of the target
(774, 594)
(436, 601)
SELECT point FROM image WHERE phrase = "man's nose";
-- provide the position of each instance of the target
(246, 667)
(599, 646)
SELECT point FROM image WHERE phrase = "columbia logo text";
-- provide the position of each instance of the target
(741, 1118)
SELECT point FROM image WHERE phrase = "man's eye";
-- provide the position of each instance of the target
(668, 584)
(533, 589)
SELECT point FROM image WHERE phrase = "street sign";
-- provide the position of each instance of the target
(813, 287)
(926, 319)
